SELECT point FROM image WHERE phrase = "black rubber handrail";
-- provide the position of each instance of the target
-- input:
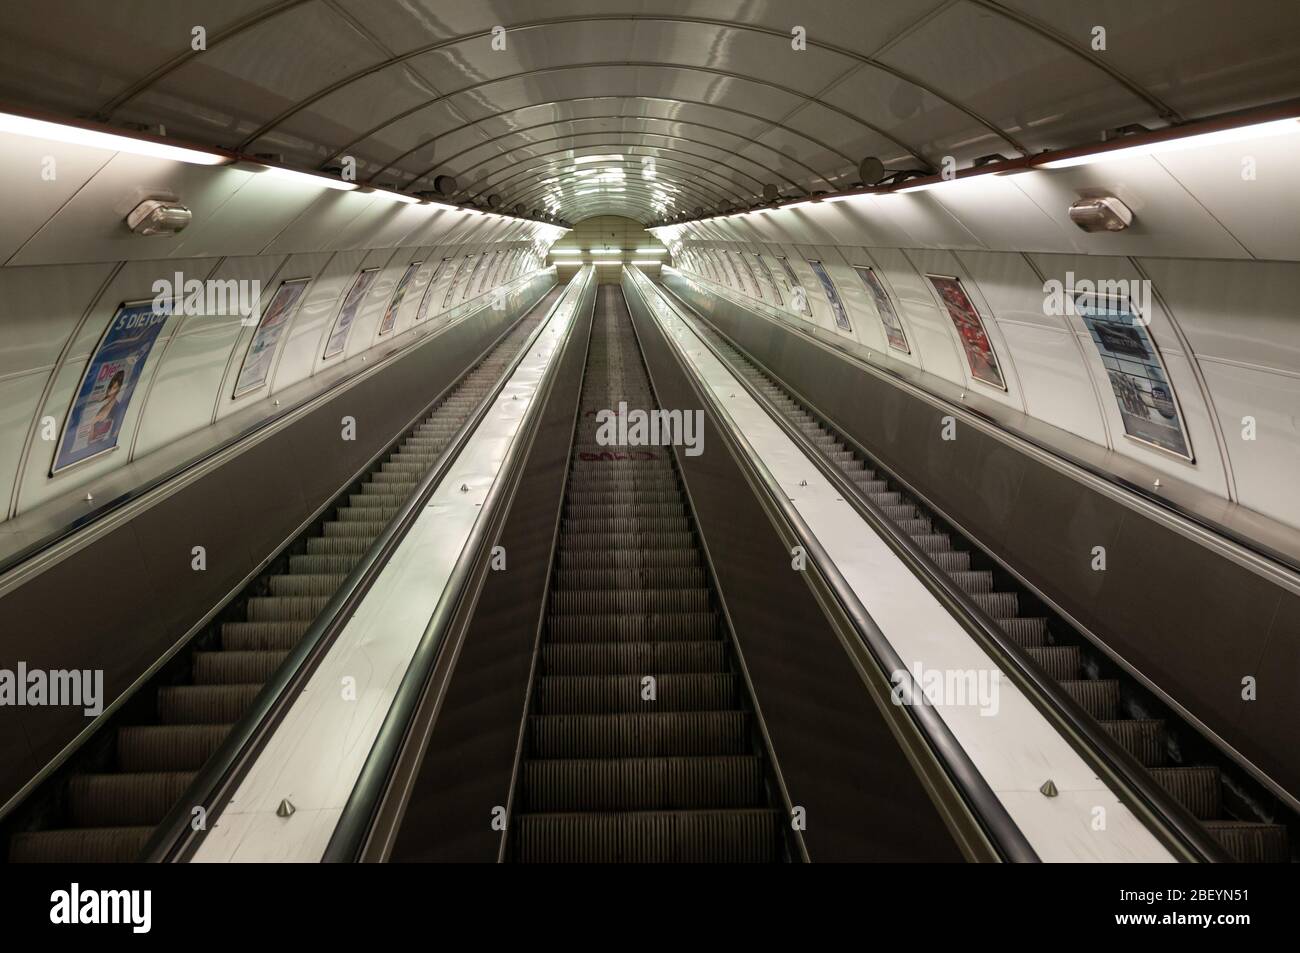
(1177, 827)
(1284, 561)
(114, 504)
(982, 803)
(175, 838)
(355, 822)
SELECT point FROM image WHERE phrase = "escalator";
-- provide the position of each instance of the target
(105, 805)
(1248, 822)
(640, 742)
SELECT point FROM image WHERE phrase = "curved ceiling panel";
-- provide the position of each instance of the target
(716, 92)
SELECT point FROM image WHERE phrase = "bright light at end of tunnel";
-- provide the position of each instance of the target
(1262, 130)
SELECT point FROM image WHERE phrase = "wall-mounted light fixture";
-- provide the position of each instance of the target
(1103, 213)
(156, 217)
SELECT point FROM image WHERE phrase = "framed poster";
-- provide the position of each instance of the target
(975, 342)
(101, 400)
(1138, 380)
(832, 295)
(798, 296)
(766, 272)
(348, 313)
(894, 333)
(422, 311)
(261, 349)
(390, 315)
(455, 281)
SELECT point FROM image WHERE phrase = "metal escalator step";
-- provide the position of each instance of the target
(1099, 697)
(1025, 631)
(934, 542)
(124, 800)
(633, 658)
(284, 608)
(338, 545)
(594, 694)
(645, 627)
(605, 541)
(649, 578)
(953, 561)
(675, 510)
(167, 747)
(204, 704)
(649, 735)
(998, 605)
(1060, 662)
(1197, 788)
(746, 836)
(598, 601)
(627, 558)
(974, 580)
(1143, 738)
(262, 636)
(96, 845)
(305, 584)
(316, 564)
(627, 524)
(365, 513)
(1252, 843)
(235, 668)
(368, 529)
(643, 784)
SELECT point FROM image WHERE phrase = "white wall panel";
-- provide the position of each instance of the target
(33, 196)
(39, 308)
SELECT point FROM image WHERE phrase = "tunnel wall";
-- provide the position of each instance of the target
(1183, 616)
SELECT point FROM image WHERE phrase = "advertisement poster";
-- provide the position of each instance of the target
(104, 395)
(390, 316)
(261, 350)
(1137, 375)
(454, 286)
(422, 311)
(832, 295)
(767, 273)
(797, 294)
(888, 317)
(348, 313)
(970, 328)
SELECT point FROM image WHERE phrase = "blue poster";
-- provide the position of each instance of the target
(114, 369)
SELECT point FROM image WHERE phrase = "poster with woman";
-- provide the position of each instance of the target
(348, 313)
(970, 328)
(261, 349)
(104, 394)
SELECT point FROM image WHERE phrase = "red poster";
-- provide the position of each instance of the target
(970, 328)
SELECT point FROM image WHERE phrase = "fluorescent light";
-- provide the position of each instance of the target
(598, 159)
(1280, 127)
(845, 198)
(799, 204)
(644, 263)
(619, 263)
(327, 181)
(606, 251)
(566, 251)
(651, 251)
(76, 135)
(396, 196)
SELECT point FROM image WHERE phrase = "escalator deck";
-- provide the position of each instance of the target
(608, 772)
(109, 812)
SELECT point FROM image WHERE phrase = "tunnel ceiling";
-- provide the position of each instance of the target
(642, 109)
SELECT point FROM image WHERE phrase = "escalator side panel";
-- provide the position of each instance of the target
(469, 759)
(836, 753)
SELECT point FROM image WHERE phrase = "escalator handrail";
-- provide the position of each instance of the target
(108, 507)
(355, 822)
(175, 838)
(1175, 825)
(983, 804)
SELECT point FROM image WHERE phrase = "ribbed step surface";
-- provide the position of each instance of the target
(109, 816)
(639, 746)
(1200, 789)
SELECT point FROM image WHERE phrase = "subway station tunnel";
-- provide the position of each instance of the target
(650, 432)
